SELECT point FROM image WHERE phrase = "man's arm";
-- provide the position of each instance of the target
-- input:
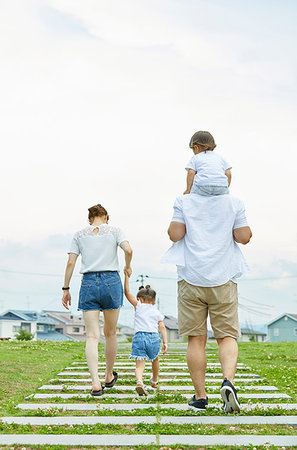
(242, 235)
(228, 175)
(176, 231)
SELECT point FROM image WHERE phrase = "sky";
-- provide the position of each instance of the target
(99, 100)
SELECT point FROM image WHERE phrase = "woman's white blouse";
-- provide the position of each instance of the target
(98, 251)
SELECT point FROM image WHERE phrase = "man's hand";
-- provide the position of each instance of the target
(66, 300)
(187, 191)
(165, 348)
(128, 271)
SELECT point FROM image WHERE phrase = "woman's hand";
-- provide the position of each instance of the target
(66, 299)
(128, 271)
(165, 348)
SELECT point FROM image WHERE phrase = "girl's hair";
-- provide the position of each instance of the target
(204, 139)
(146, 293)
(97, 211)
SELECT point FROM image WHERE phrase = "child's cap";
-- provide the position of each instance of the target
(203, 138)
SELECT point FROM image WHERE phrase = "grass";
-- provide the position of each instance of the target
(25, 366)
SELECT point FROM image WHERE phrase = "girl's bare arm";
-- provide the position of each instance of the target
(164, 335)
(228, 175)
(131, 299)
(190, 179)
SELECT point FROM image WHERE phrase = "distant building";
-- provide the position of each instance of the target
(39, 324)
(283, 328)
(171, 325)
(73, 326)
(249, 334)
(68, 324)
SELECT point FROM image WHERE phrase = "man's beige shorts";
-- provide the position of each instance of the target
(195, 302)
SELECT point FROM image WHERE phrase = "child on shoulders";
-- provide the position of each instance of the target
(146, 341)
(208, 173)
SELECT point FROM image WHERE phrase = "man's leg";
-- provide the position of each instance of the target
(196, 359)
(228, 355)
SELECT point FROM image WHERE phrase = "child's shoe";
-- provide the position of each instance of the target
(141, 389)
(154, 384)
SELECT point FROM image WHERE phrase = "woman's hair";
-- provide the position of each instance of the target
(146, 293)
(97, 211)
(204, 139)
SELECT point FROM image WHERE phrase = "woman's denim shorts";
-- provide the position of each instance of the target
(145, 345)
(100, 291)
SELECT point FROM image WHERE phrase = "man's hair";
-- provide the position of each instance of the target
(204, 139)
(146, 293)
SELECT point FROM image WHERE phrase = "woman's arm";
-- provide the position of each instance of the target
(190, 179)
(164, 335)
(131, 299)
(125, 246)
(66, 300)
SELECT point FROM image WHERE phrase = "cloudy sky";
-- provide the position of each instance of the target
(99, 99)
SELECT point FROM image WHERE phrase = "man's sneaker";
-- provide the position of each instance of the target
(229, 396)
(198, 405)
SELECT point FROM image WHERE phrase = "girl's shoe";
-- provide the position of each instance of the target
(154, 384)
(141, 389)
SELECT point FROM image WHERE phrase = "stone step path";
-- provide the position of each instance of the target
(134, 406)
(59, 387)
(145, 439)
(133, 420)
(70, 387)
(163, 380)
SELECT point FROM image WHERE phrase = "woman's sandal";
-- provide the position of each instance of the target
(154, 384)
(97, 393)
(112, 382)
(141, 389)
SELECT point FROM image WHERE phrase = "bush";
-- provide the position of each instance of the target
(23, 335)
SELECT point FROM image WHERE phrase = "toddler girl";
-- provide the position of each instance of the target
(208, 173)
(146, 340)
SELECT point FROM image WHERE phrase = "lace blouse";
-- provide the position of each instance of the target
(97, 246)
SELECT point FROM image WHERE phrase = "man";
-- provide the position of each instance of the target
(211, 227)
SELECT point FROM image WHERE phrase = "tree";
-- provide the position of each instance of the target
(23, 335)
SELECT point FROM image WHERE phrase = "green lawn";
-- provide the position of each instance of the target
(25, 366)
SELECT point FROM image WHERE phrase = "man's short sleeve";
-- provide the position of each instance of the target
(240, 218)
(178, 215)
(74, 247)
(120, 236)
(191, 164)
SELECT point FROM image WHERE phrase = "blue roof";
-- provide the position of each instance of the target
(28, 316)
(52, 336)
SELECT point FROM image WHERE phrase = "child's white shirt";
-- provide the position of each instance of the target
(146, 318)
(210, 169)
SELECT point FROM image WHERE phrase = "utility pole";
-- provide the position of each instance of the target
(141, 278)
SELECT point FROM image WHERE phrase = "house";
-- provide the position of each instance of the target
(171, 326)
(283, 328)
(68, 324)
(73, 326)
(41, 326)
(248, 334)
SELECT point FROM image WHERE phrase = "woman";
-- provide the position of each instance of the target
(101, 288)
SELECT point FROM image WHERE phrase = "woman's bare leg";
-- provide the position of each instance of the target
(91, 319)
(110, 323)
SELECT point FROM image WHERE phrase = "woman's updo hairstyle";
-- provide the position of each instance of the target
(97, 211)
(146, 293)
(204, 139)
